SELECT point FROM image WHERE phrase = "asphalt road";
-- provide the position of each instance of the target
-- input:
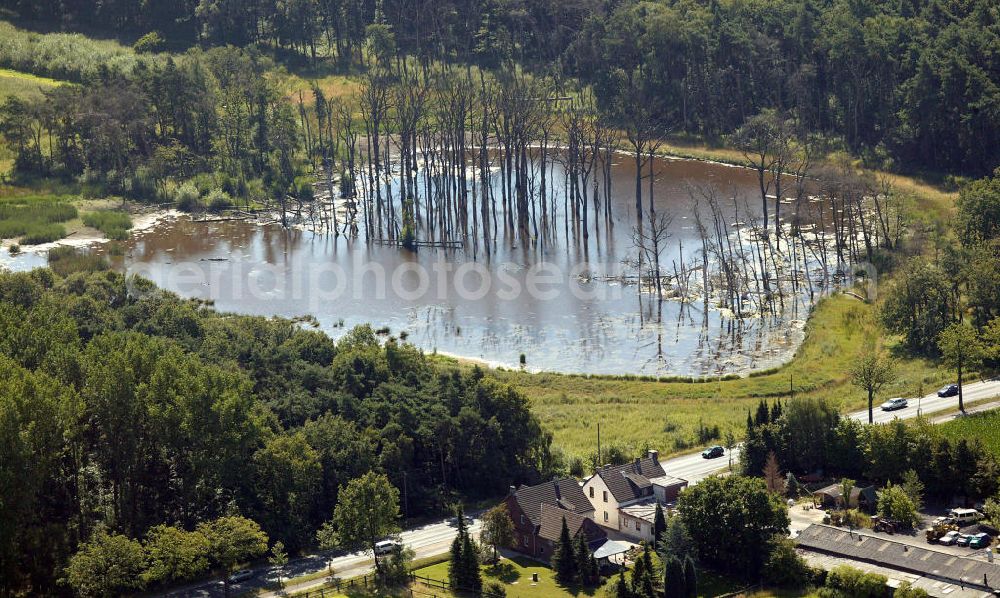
(435, 538)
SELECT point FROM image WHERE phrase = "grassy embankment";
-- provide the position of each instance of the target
(23, 85)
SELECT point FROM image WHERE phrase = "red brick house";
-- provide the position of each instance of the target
(560, 498)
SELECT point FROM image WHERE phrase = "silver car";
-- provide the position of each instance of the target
(894, 404)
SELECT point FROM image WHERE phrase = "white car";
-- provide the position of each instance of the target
(949, 539)
(894, 404)
(241, 575)
(386, 547)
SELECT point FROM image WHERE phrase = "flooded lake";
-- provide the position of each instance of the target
(562, 304)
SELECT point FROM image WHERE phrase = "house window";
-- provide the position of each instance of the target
(541, 550)
(625, 522)
(526, 540)
(591, 492)
(522, 519)
(605, 496)
(605, 516)
(638, 526)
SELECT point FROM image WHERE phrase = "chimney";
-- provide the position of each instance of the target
(512, 490)
(654, 455)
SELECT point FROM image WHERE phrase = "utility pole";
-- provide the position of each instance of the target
(599, 461)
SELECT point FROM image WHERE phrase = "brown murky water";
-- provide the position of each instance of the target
(558, 304)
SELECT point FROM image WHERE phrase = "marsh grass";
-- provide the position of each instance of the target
(35, 219)
(115, 225)
(67, 260)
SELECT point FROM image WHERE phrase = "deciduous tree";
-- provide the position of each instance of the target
(367, 511)
(870, 372)
(961, 349)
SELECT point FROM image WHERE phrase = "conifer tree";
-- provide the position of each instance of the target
(564, 557)
(582, 559)
(472, 578)
(690, 578)
(621, 587)
(659, 525)
(674, 585)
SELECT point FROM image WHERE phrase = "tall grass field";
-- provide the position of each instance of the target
(984, 427)
(35, 219)
(68, 56)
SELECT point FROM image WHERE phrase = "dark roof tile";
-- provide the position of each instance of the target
(565, 493)
(629, 481)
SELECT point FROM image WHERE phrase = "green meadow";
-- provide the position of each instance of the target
(637, 413)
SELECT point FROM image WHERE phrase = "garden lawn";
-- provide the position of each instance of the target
(984, 427)
(515, 574)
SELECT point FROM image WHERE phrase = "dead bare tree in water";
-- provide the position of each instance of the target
(374, 99)
(649, 241)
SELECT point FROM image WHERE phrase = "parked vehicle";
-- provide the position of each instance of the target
(240, 576)
(713, 452)
(894, 404)
(949, 539)
(939, 530)
(980, 541)
(963, 517)
(963, 540)
(386, 546)
(950, 390)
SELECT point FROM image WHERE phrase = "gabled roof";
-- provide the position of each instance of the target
(629, 481)
(551, 524)
(565, 494)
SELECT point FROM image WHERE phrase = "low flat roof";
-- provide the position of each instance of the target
(897, 555)
(667, 480)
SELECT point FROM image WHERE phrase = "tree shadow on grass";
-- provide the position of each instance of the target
(525, 563)
(503, 572)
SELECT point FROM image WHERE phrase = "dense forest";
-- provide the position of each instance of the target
(123, 408)
(909, 84)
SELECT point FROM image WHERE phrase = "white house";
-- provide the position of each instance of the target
(625, 496)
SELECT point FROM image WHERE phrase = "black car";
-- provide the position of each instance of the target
(948, 391)
(713, 452)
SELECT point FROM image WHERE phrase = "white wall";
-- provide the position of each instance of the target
(605, 513)
(628, 524)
